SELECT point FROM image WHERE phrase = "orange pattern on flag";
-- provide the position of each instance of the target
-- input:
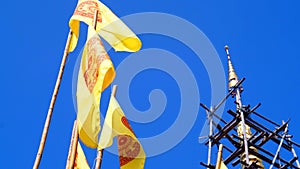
(131, 153)
(128, 149)
(109, 26)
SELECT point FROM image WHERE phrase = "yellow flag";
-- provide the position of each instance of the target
(131, 153)
(223, 166)
(109, 26)
(96, 72)
(116, 33)
(80, 160)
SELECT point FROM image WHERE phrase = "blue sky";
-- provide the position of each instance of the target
(263, 38)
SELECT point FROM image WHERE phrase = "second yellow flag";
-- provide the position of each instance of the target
(131, 152)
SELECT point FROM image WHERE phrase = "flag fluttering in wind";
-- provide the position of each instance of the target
(131, 153)
(109, 26)
(96, 72)
(80, 159)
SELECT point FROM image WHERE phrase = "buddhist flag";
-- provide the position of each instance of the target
(223, 166)
(131, 153)
(96, 72)
(116, 33)
(109, 26)
(80, 160)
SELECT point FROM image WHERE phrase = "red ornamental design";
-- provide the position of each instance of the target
(87, 9)
(126, 124)
(128, 148)
(96, 54)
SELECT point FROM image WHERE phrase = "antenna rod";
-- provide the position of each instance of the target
(52, 103)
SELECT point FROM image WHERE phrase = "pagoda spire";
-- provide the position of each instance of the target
(232, 76)
(244, 131)
(245, 136)
(232, 81)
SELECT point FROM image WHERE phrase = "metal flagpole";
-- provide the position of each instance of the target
(100, 152)
(52, 103)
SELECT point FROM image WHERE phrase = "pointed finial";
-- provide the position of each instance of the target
(232, 77)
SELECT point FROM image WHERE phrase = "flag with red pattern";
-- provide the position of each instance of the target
(131, 153)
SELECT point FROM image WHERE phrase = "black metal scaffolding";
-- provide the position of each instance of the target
(262, 143)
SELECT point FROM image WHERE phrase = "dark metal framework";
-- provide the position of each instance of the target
(265, 133)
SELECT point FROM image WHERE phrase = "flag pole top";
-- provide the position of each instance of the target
(114, 90)
(95, 19)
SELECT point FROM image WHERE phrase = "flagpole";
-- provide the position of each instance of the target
(75, 134)
(99, 159)
(114, 90)
(52, 103)
(73, 147)
(100, 152)
(219, 158)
